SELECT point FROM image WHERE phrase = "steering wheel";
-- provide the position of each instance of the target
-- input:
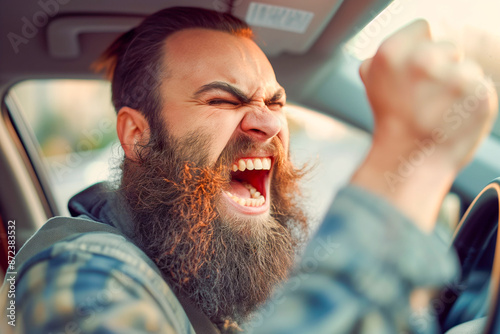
(477, 244)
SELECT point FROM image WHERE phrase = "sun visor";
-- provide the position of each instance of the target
(63, 33)
(287, 26)
(279, 26)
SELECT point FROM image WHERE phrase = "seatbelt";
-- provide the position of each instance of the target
(59, 228)
(198, 319)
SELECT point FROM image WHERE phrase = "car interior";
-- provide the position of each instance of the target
(57, 131)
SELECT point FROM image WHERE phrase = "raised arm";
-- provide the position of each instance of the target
(375, 248)
(431, 111)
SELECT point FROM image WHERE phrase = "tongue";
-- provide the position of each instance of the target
(238, 189)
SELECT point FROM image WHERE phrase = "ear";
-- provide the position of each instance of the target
(132, 128)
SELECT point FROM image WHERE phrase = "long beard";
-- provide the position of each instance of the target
(226, 265)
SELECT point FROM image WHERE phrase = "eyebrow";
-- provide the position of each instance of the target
(277, 95)
(234, 91)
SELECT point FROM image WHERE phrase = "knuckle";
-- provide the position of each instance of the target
(431, 60)
(421, 61)
(424, 27)
(385, 54)
(466, 77)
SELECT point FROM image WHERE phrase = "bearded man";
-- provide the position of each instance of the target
(206, 220)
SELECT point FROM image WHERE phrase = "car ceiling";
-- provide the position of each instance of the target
(76, 32)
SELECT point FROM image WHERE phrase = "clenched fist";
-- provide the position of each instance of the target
(431, 110)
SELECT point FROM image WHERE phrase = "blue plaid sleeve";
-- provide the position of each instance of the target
(357, 273)
(84, 287)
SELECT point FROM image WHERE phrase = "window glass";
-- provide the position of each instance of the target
(73, 122)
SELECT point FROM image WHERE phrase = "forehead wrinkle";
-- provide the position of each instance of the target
(263, 88)
(248, 57)
(272, 96)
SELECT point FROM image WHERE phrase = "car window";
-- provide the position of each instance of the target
(73, 123)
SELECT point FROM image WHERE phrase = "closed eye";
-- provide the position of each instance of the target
(220, 101)
(275, 104)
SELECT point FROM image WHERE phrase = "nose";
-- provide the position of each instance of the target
(261, 123)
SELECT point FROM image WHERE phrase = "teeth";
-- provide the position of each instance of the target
(258, 164)
(253, 192)
(251, 164)
(256, 200)
(242, 165)
(249, 201)
(266, 163)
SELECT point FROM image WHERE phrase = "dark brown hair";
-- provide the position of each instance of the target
(134, 63)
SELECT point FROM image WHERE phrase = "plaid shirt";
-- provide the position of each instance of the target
(354, 277)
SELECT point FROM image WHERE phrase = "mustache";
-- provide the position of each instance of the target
(185, 166)
(194, 147)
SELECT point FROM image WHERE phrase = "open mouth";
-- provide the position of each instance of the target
(249, 184)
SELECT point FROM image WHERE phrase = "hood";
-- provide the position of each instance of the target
(100, 203)
(96, 202)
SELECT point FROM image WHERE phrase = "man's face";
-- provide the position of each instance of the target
(214, 238)
(222, 86)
